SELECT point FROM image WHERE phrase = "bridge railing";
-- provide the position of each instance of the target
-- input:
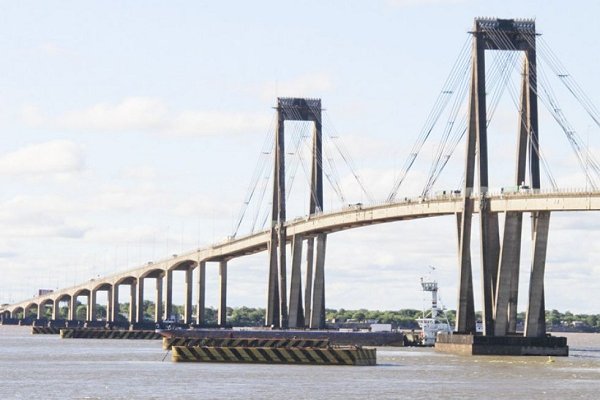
(525, 191)
(446, 195)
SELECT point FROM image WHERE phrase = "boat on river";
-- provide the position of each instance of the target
(434, 321)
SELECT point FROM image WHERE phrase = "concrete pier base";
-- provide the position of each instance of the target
(471, 345)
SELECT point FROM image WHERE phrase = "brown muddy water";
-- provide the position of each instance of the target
(46, 367)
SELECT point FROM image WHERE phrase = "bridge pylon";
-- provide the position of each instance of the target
(500, 260)
(312, 312)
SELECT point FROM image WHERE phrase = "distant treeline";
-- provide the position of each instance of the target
(403, 318)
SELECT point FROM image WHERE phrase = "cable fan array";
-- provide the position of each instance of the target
(255, 210)
(502, 68)
(451, 104)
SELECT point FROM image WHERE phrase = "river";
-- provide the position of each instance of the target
(47, 367)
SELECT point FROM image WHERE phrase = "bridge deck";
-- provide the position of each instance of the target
(351, 217)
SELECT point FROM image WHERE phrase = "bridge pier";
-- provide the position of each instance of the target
(465, 311)
(222, 312)
(535, 323)
(500, 266)
(168, 294)
(296, 316)
(109, 307)
(317, 315)
(139, 315)
(310, 245)
(294, 109)
(132, 302)
(72, 308)
(91, 309)
(56, 309)
(158, 298)
(188, 288)
(200, 301)
(508, 275)
(114, 303)
(514, 220)
(272, 312)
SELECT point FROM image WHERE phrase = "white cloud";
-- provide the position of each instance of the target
(39, 216)
(140, 173)
(216, 122)
(139, 234)
(8, 254)
(147, 115)
(128, 198)
(54, 157)
(203, 206)
(133, 113)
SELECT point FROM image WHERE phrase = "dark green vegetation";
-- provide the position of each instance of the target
(403, 319)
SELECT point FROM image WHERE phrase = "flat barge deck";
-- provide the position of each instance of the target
(177, 337)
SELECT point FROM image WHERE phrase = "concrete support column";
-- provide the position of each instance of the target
(91, 311)
(296, 316)
(133, 302)
(508, 275)
(317, 318)
(114, 303)
(276, 295)
(490, 245)
(272, 312)
(200, 301)
(109, 308)
(222, 316)
(513, 300)
(315, 207)
(535, 322)
(489, 237)
(310, 245)
(465, 314)
(294, 109)
(168, 294)
(283, 308)
(158, 311)
(508, 271)
(73, 308)
(39, 311)
(140, 300)
(188, 289)
(56, 310)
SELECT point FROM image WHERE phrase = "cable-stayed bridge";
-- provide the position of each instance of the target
(304, 305)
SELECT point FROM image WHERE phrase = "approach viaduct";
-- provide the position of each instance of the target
(353, 216)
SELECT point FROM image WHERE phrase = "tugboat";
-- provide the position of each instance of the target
(434, 321)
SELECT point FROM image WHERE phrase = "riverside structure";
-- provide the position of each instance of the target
(500, 259)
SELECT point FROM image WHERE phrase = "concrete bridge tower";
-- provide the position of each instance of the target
(500, 260)
(312, 313)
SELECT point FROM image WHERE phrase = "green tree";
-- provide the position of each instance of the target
(359, 315)
(81, 312)
(553, 318)
(100, 312)
(591, 320)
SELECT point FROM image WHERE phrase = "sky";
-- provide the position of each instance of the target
(131, 130)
